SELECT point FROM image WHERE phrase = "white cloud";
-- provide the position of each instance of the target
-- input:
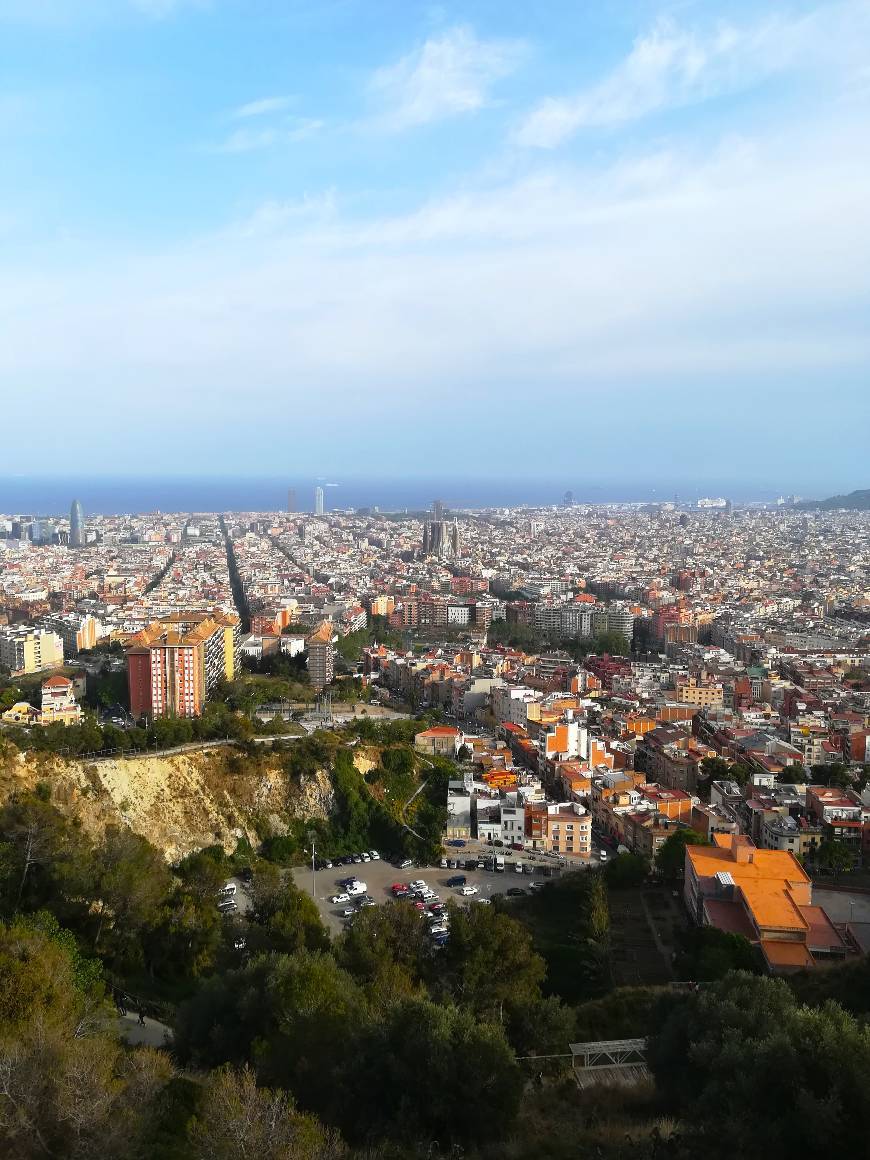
(263, 107)
(445, 77)
(270, 136)
(672, 67)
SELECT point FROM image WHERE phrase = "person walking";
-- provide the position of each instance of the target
(141, 1017)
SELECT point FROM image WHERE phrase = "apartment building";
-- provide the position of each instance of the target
(321, 655)
(29, 650)
(559, 828)
(174, 663)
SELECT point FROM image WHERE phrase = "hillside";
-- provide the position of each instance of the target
(855, 501)
(180, 802)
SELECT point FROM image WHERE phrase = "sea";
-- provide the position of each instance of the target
(119, 495)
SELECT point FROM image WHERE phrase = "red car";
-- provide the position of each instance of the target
(397, 886)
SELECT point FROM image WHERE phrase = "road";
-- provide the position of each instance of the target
(153, 1034)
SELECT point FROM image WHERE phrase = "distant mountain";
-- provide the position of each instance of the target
(855, 501)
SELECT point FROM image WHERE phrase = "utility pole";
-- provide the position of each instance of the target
(311, 838)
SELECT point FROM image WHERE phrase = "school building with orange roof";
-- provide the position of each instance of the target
(764, 895)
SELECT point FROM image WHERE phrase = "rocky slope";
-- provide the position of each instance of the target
(179, 802)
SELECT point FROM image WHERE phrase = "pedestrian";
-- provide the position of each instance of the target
(141, 1017)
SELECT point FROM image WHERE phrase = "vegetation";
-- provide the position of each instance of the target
(524, 637)
(671, 857)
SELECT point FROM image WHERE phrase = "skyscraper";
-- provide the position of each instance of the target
(318, 501)
(291, 500)
(438, 509)
(76, 525)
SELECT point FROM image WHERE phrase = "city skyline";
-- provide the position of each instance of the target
(637, 232)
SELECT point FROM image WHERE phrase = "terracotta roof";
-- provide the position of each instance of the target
(786, 955)
(56, 682)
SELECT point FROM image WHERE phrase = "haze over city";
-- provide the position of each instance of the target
(260, 237)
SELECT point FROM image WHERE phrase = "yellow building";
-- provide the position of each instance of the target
(29, 650)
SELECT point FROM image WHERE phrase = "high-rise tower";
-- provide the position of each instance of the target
(291, 500)
(318, 501)
(76, 525)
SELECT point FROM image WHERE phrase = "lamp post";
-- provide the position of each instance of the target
(311, 838)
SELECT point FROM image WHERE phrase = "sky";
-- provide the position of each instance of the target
(493, 238)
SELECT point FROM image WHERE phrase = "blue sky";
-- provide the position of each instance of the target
(491, 238)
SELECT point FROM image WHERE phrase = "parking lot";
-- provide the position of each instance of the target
(379, 877)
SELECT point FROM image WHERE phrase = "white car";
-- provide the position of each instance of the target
(438, 928)
(467, 891)
(365, 857)
(356, 888)
(374, 855)
(485, 901)
(339, 899)
(417, 884)
(227, 891)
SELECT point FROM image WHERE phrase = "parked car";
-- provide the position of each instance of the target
(470, 863)
(467, 891)
(356, 859)
(458, 842)
(339, 899)
(536, 886)
(397, 886)
(528, 868)
(348, 911)
(405, 863)
(515, 890)
(364, 857)
(443, 863)
(602, 855)
(485, 901)
(227, 891)
(374, 855)
(457, 880)
(227, 906)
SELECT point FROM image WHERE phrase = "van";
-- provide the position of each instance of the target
(354, 889)
(457, 880)
(499, 864)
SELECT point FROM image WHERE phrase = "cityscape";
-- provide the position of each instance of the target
(434, 580)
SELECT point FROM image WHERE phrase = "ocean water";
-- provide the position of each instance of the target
(52, 496)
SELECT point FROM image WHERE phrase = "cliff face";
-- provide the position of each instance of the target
(179, 803)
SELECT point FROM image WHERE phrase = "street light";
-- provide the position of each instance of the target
(311, 838)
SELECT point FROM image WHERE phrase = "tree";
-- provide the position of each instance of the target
(132, 883)
(286, 918)
(424, 1072)
(671, 856)
(488, 961)
(387, 951)
(834, 855)
(625, 871)
(744, 1043)
(707, 954)
(740, 773)
(66, 1087)
(239, 1121)
(715, 768)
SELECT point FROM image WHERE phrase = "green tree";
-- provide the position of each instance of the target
(715, 768)
(671, 856)
(424, 1072)
(488, 961)
(132, 884)
(834, 855)
(707, 954)
(625, 871)
(283, 917)
(744, 1043)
